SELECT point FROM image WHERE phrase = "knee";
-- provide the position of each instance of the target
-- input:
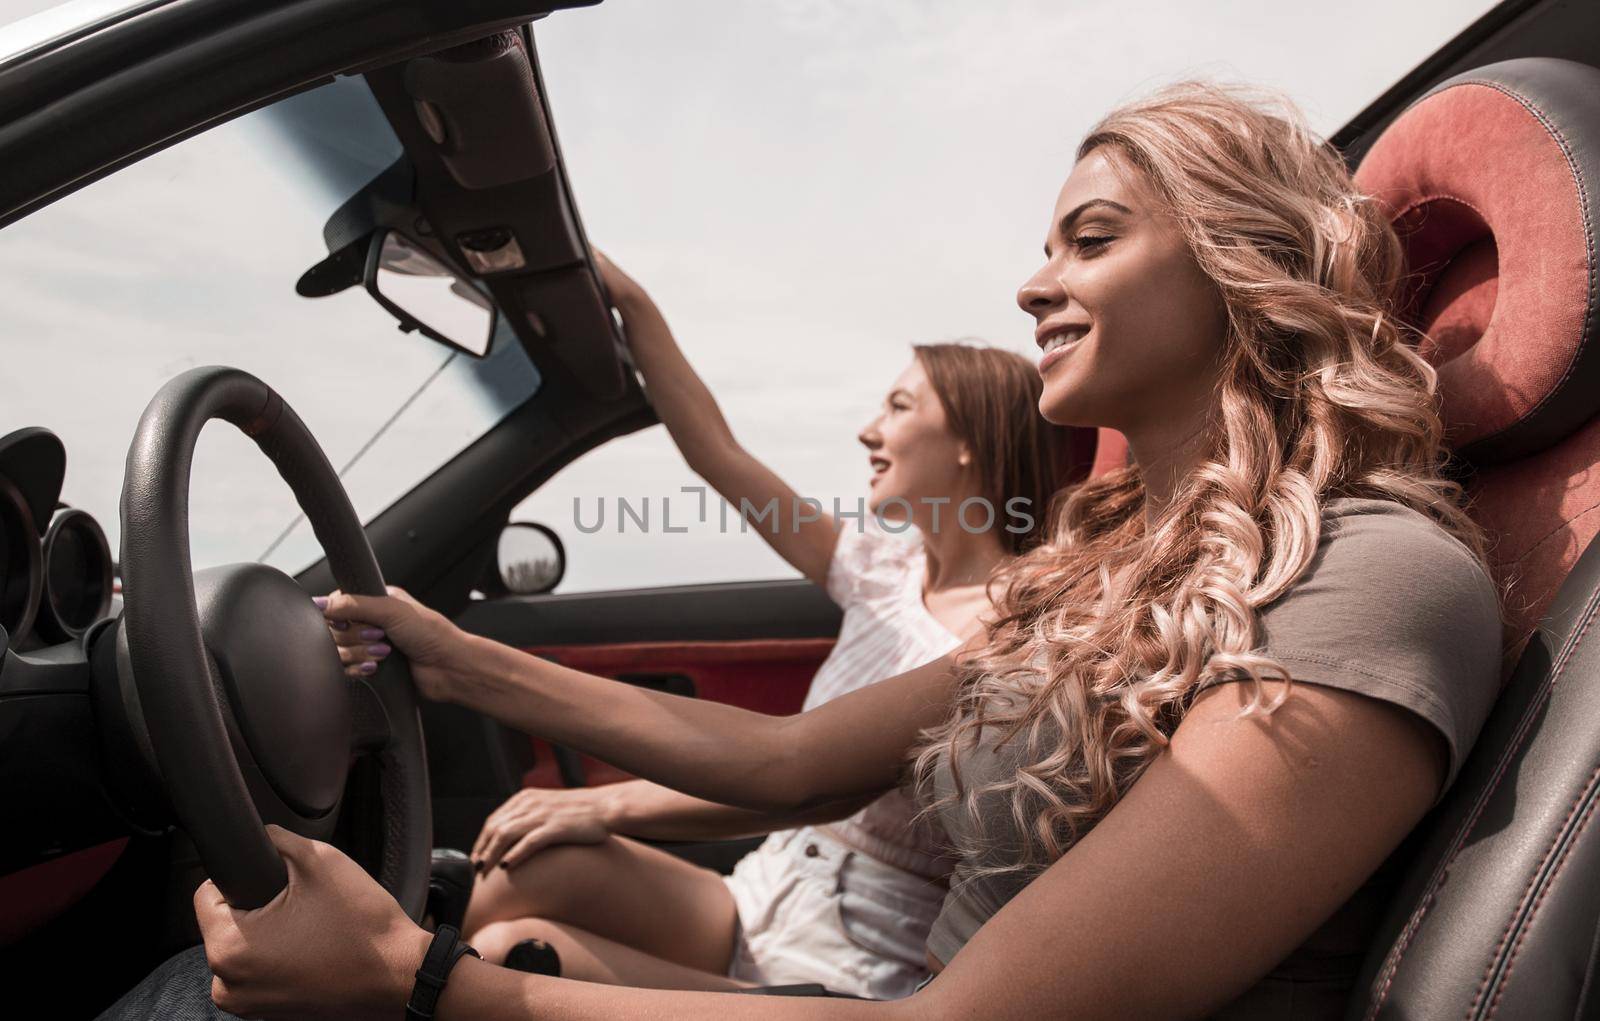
(495, 940)
(553, 883)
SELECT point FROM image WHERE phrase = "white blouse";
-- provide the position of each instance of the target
(877, 578)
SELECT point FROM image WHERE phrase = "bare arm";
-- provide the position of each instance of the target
(649, 811)
(536, 818)
(1230, 850)
(789, 768)
(849, 747)
(691, 415)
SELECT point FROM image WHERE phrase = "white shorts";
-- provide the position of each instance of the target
(813, 910)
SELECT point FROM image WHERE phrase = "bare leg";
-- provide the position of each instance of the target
(590, 958)
(621, 891)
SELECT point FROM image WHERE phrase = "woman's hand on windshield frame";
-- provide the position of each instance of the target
(620, 287)
(799, 532)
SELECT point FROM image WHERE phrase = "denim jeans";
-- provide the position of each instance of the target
(179, 990)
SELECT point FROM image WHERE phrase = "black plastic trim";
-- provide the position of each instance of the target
(36, 461)
(1516, 28)
(727, 611)
(72, 111)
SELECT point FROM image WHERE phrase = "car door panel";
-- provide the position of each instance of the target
(755, 645)
(763, 675)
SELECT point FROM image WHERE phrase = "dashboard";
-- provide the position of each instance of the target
(56, 568)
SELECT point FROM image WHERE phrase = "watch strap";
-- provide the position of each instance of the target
(443, 952)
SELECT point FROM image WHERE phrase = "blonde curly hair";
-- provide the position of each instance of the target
(1105, 633)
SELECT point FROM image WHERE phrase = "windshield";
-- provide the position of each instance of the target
(190, 258)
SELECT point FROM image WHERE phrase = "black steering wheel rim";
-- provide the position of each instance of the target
(180, 696)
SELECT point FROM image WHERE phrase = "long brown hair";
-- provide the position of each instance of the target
(991, 401)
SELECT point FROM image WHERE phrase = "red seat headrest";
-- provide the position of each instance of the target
(1110, 452)
(1493, 180)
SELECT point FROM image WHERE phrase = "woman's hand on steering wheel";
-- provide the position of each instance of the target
(535, 818)
(333, 944)
(367, 628)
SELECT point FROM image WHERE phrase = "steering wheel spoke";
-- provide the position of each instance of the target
(369, 720)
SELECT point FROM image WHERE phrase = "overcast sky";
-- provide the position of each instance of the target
(807, 187)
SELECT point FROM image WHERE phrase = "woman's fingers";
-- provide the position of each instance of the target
(369, 611)
(361, 645)
(363, 658)
(531, 844)
(476, 854)
(515, 817)
(500, 841)
(490, 825)
(480, 847)
(360, 652)
(356, 633)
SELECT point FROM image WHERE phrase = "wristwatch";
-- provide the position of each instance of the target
(443, 953)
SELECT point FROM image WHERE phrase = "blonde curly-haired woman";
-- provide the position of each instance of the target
(1212, 705)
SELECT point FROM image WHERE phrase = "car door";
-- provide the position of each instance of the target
(752, 644)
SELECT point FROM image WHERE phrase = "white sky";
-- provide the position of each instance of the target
(807, 187)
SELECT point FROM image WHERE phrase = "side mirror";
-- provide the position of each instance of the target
(529, 559)
(427, 296)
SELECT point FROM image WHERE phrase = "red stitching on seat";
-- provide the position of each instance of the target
(1538, 902)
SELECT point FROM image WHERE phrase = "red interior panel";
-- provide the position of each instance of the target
(765, 676)
(35, 895)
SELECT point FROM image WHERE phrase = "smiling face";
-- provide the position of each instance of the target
(1130, 327)
(910, 448)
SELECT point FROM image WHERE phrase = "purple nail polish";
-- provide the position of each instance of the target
(339, 625)
(321, 601)
(371, 634)
(378, 651)
(368, 667)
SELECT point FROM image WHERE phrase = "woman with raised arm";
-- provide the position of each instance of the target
(1209, 708)
(958, 450)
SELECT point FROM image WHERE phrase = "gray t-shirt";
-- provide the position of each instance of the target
(1391, 607)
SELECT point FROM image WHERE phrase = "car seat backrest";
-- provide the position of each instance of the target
(1493, 182)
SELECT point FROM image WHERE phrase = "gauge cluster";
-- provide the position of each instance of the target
(55, 564)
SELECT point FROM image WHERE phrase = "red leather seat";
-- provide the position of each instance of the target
(1110, 452)
(1493, 180)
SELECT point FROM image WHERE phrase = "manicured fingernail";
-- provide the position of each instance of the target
(378, 651)
(371, 634)
(321, 601)
(368, 667)
(339, 625)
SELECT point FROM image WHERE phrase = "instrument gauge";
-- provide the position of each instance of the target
(77, 576)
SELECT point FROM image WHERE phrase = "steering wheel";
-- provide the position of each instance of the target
(247, 707)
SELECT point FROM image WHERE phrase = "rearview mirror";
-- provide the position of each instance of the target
(427, 296)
